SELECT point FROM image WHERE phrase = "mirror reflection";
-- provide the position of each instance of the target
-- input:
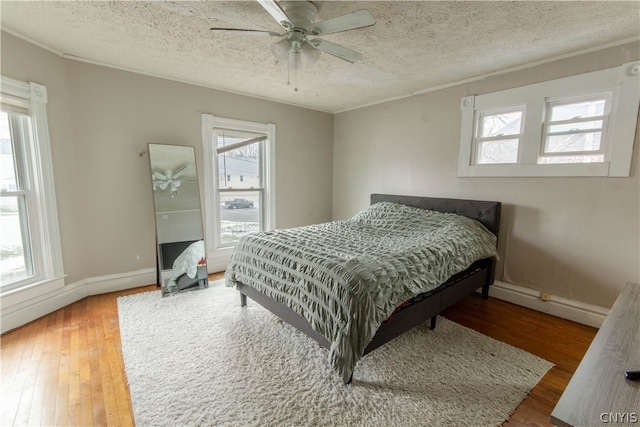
(181, 258)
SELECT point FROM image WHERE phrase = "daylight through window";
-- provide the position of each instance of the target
(240, 184)
(16, 260)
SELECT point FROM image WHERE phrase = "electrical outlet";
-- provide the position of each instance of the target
(545, 296)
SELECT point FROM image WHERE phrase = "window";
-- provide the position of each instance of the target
(499, 135)
(573, 130)
(16, 255)
(30, 250)
(239, 182)
(576, 126)
(239, 153)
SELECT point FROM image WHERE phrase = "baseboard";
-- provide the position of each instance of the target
(23, 312)
(586, 314)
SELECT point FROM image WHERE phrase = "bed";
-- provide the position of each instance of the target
(354, 285)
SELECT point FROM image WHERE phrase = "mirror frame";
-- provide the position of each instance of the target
(180, 250)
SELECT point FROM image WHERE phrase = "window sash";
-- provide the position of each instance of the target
(19, 125)
(480, 141)
(260, 140)
(549, 124)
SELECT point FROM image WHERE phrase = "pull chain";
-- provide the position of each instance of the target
(295, 71)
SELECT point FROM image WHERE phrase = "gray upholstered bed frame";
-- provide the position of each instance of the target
(426, 306)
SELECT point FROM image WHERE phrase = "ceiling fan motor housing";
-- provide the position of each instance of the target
(301, 13)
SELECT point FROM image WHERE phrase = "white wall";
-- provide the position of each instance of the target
(576, 238)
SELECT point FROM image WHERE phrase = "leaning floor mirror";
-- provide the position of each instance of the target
(181, 259)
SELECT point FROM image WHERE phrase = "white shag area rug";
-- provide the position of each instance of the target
(198, 358)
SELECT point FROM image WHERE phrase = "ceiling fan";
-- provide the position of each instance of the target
(169, 179)
(298, 19)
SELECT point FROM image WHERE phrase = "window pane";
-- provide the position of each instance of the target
(7, 160)
(589, 108)
(501, 124)
(240, 168)
(499, 151)
(578, 142)
(240, 213)
(590, 158)
(15, 253)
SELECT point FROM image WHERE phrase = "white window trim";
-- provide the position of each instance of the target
(44, 226)
(622, 81)
(217, 258)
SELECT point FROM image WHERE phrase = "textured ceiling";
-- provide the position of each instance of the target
(413, 47)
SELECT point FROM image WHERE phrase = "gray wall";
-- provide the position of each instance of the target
(101, 120)
(572, 237)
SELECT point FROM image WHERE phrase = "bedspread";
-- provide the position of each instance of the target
(346, 277)
(187, 263)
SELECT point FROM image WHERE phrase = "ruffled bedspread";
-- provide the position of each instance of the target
(346, 277)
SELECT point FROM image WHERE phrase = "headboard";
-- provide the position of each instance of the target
(486, 212)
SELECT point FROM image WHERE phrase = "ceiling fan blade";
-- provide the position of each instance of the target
(347, 22)
(249, 32)
(336, 50)
(278, 14)
(181, 171)
(158, 175)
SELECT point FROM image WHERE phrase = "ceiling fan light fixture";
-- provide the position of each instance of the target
(310, 54)
(284, 53)
(280, 51)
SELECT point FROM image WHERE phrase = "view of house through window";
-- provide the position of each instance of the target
(240, 183)
(16, 260)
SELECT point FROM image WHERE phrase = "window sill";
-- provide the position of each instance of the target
(537, 170)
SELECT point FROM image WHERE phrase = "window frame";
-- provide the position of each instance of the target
(621, 82)
(218, 255)
(39, 193)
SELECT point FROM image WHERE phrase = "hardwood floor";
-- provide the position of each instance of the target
(559, 341)
(66, 368)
